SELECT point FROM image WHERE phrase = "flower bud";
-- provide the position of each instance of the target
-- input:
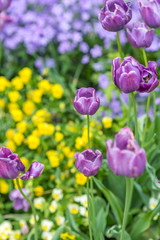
(4, 4)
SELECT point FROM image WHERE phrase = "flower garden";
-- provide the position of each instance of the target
(79, 114)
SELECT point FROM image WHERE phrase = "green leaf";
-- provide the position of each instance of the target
(112, 199)
(57, 233)
(71, 221)
(115, 231)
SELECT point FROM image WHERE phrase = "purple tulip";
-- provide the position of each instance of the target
(88, 162)
(125, 157)
(115, 15)
(150, 11)
(127, 75)
(4, 4)
(11, 166)
(149, 79)
(34, 171)
(140, 36)
(86, 102)
(19, 202)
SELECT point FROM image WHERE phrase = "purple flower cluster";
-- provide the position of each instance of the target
(19, 202)
(39, 22)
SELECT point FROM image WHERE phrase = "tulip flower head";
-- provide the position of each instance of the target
(88, 162)
(115, 15)
(11, 166)
(124, 156)
(130, 75)
(19, 202)
(4, 4)
(86, 102)
(150, 10)
(140, 36)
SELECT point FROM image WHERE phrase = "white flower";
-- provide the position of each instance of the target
(57, 194)
(47, 236)
(38, 202)
(5, 230)
(153, 203)
(83, 211)
(46, 225)
(82, 199)
(32, 220)
(53, 206)
(22, 223)
(73, 208)
(15, 235)
(156, 217)
(60, 220)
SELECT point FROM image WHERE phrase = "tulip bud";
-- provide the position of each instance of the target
(140, 36)
(4, 4)
(86, 102)
(88, 162)
(150, 11)
(115, 15)
(124, 156)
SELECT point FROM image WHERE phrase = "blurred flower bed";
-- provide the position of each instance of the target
(51, 48)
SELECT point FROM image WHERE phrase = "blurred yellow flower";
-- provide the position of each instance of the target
(36, 133)
(4, 187)
(13, 96)
(25, 74)
(41, 116)
(81, 179)
(17, 115)
(10, 144)
(21, 126)
(70, 163)
(17, 83)
(67, 236)
(25, 161)
(18, 138)
(4, 83)
(2, 103)
(33, 142)
(37, 95)
(107, 122)
(45, 128)
(59, 136)
(53, 158)
(10, 133)
(57, 91)
(12, 106)
(62, 106)
(44, 85)
(38, 191)
(28, 107)
(79, 143)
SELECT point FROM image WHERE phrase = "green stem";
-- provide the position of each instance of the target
(32, 206)
(126, 209)
(154, 104)
(88, 201)
(147, 118)
(144, 56)
(119, 47)
(88, 131)
(93, 207)
(129, 110)
(135, 116)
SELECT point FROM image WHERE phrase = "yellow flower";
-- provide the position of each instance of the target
(41, 116)
(107, 122)
(25, 161)
(45, 129)
(2, 103)
(81, 179)
(79, 143)
(44, 85)
(17, 115)
(17, 83)
(12, 106)
(25, 74)
(28, 107)
(37, 95)
(18, 138)
(21, 126)
(15, 183)
(59, 136)
(57, 91)
(4, 187)
(53, 158)
(33, 142)
(70, 163)
(38, 191)
(4, 83)
(13, 96)
(66, 151)
(10, 144)
(62, 106)
(10, 133)
(67, 236)
(36, 133)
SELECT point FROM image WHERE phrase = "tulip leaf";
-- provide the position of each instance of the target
(58, 232)
(71, 221)
(112, 199)
(115, 231)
